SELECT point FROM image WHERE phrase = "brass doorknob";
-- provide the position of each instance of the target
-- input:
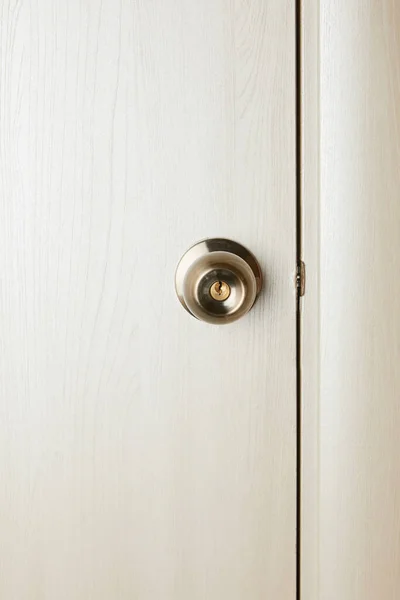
(218, 280)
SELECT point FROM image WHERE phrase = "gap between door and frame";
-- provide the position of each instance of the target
(299, 284)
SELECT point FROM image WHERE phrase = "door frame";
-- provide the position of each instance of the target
(309, 347)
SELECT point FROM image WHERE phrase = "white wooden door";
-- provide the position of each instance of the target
(351, 357)
(145, 454)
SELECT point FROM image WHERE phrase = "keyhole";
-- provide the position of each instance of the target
(220, 291)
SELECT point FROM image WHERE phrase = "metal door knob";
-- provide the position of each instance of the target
(218, 280)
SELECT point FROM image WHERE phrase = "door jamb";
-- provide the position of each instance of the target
(308, 329)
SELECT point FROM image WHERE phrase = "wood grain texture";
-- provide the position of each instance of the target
(143, 454)
(359, 458)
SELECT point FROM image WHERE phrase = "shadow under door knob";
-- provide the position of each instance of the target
(218, 280)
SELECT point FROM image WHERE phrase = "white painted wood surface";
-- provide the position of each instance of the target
(358, 510)
(144, 454)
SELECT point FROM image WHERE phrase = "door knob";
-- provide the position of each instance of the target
(218, 280)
